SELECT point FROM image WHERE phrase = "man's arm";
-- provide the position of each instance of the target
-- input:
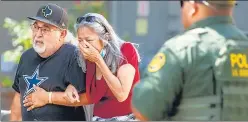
(15, 114)
(154, 95)
(16, 108)
(40, 98)
(58, 98)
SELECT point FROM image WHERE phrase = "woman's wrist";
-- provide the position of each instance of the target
(99, 61)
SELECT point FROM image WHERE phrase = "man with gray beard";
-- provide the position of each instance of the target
(50, 64)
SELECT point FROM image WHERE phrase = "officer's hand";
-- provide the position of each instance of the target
(36, 99)
(71, 94)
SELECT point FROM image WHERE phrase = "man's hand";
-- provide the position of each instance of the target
(37, 99)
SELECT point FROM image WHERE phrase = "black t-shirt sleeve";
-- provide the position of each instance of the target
(75, 75)
(15, 85)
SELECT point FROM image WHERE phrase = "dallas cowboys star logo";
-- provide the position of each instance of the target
(47, 11)
(33, 80)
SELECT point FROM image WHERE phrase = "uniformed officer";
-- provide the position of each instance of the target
(201, 74)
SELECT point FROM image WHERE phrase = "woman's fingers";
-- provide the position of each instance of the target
(70, 97)
(31, 108)
(76, 96)
(27, 104)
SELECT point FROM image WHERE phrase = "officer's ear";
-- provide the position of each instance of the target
(193, 8)
(190, 8)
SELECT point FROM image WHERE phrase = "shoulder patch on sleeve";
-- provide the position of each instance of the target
(157, 62)
(186, 39)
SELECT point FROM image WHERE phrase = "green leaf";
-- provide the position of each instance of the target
(6, 82)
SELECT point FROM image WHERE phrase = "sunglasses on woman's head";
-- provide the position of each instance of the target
(90, 19)
(87, 19)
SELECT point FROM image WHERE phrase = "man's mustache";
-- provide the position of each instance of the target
(38, 42)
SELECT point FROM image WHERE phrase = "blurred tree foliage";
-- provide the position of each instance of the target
(21, 41)
(21, 33)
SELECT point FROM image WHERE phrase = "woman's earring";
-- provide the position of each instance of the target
(103, 52)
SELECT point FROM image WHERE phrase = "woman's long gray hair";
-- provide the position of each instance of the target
(112, 43)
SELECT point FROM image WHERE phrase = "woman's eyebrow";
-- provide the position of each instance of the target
(89, 38)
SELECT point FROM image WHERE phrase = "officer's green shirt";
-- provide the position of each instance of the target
(183, 68)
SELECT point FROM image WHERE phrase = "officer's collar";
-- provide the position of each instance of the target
(212, 20)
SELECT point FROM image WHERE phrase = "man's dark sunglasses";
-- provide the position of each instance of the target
(90, 19)
(182, 1)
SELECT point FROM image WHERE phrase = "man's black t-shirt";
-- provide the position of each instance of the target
(52, 74)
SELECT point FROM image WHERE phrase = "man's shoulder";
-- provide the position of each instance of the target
(69, 50)
(29, 52)
(69, 47)
(186, 39)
